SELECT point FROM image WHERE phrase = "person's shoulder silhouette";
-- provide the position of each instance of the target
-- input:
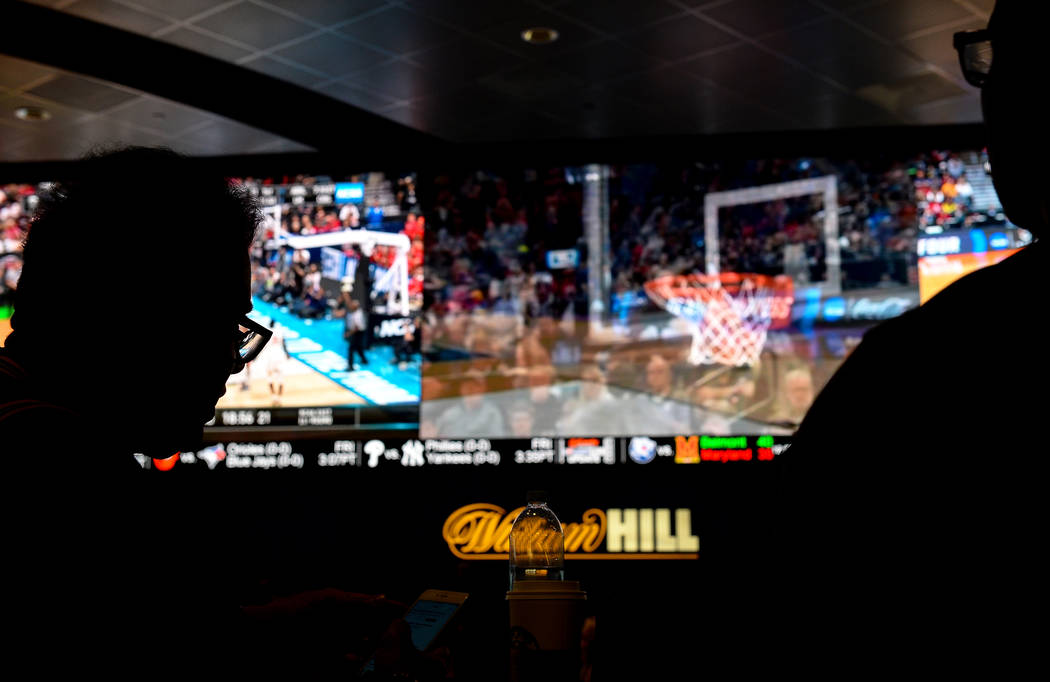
(956, 373)
(913, 478)
(135, 276)
(126, 327)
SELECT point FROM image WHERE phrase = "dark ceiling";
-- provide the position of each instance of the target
(459, 70)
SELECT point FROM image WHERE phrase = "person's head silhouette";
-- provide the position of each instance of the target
(136, 276)
(1011, 91)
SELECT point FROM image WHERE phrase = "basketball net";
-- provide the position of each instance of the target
(732, 312)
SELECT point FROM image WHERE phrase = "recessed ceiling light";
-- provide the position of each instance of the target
(32, 113)
(539, 35)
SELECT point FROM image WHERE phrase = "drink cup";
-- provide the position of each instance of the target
(546, 617)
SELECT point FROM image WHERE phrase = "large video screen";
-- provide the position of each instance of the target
(667, 299)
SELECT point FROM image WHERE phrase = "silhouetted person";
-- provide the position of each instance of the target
(917, 476)
(125, 330)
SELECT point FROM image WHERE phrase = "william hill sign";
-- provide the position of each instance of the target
(482, 531)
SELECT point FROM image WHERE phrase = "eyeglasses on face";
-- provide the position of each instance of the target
(975, 55)
(249, 339)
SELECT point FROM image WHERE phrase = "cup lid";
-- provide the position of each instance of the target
(546, 589)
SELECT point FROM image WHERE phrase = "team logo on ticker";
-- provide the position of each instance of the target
(687, 449)
(642, 450)
(374, 449)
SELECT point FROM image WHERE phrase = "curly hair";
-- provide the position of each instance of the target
(137, 228)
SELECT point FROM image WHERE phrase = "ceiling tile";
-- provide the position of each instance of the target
(223, 136)
(205, 44)
(471, 15)
(106, 131)
(756, 17)
(464, 60)
(331, 55)
(160, 114)
(936, 48)
(669, 84)
(678, 38)
(879, 64)
(820, 41)
(327, 12)
(589, 106)
(286, 72)
(17, 73)
(358, 97)
(846, 5)
(963, 109)
(398, 31)
(605, 60)
(896, 20)
(121, 16)
(413, 116)
(76, 141)
(11, 139)
(81, 93)
(254, 25)
(467, 104)
(841, 111)
(396, 79)
(525, 124)
(985, 6)
(179, 9)
(749, 70)
(279, 146)
(903, 96)
(531, 81)
(616, 16)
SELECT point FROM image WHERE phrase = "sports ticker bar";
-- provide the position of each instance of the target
(409, 452)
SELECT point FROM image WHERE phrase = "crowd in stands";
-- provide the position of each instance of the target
(16, 207)
(293, 278)
(943, 192)
(487, 241)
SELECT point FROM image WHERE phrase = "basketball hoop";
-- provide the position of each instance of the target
(732, 312)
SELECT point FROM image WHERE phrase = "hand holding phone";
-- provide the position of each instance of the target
(426, 619)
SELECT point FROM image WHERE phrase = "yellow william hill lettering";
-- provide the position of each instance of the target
(482, 531)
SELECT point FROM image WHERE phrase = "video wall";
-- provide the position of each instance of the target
(570, 314)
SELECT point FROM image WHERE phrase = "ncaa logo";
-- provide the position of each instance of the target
(642, 450)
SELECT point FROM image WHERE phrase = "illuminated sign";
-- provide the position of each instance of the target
(564, 258)
(346, 192)
(481, 531)
(940, 246)
(839, 308)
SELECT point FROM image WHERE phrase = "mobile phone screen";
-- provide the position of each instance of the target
(425, 620)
